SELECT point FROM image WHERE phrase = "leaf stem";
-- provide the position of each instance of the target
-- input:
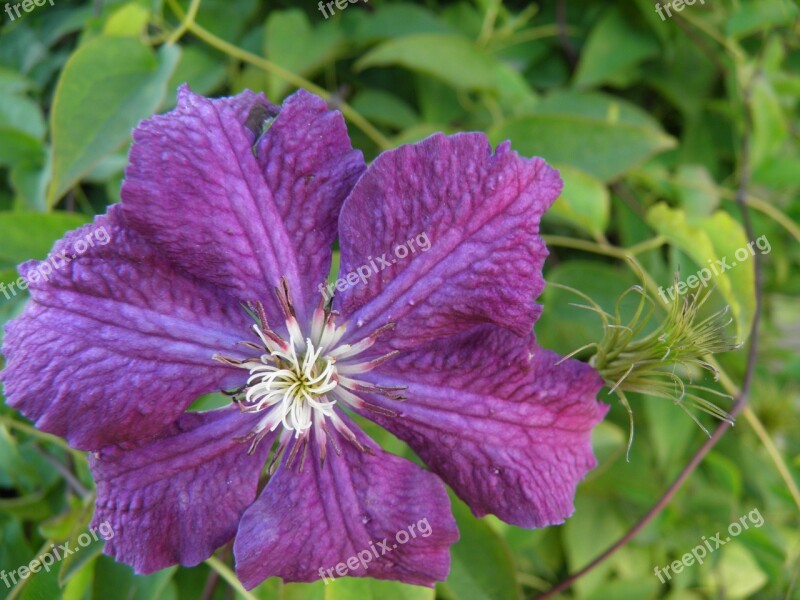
(602, 248)
(773, 213)
(33, 432)
(743, 392)
(186, 22)
(270, 67)
(228, 575)
(774, 453)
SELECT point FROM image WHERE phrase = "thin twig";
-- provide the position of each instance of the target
(763, 435)
(33, 432)
(186, 22)
(701, 44)
(566, 44)
(228, 575)
(81, 490)
(741, 397)
(276, 70)
(210, 586)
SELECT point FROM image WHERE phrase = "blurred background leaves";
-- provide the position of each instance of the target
(645, 119)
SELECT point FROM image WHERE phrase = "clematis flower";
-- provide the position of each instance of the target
(211, 281)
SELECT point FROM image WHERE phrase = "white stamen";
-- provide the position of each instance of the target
(292, 386)
(298, 380)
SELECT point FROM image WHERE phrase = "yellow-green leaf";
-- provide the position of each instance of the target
(584, 202)
(719, 246)
(108, 85)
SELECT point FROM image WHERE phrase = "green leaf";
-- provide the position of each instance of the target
(515, 94)
(14, 469)
(755, 15)
(218, 17)
(129, 20)
(20, 148)
(34, 506)
(11, 307)
(626, 589)
(62, 525)
(395, 20)
(385, 108)
(41, 586)
(418, 132)
(609, 442)
(696, 189)
(669, 431)
(739, 573)
(602, 282)
(18, 245)
(373, 589)
(87, 543)
(600, 134)
(482, 566)
(81, 581)
(12, 83)
(600, 147)
(111, 577)
(592, 528)
(291, 42)
(770, 128)
(14, 549)
(201, 69)
(30, 184)
(107, 86)
(613, 48)
(685, 75)
(597, 105)
(450, 58)
(724, 474)
(707, 240)
(302, 591)
(437, 101)
(584, 203)
(22, 114)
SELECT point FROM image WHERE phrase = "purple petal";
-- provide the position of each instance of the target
(511, 436)
(176, 499)
(195, 189)
(117, 344)
(305, 523)
(480, 213)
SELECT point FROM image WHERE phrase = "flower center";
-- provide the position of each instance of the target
(298, 380)
(296, 386)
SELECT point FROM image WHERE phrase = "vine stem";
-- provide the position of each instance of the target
(743, 393)
(33, 432)
(189, 25)
(72, 481)
(773, 451)
(601, 248)
(229, 576)
(727, 383)
(763, 435)
(776, 215)
(186, 20)
(649, 516)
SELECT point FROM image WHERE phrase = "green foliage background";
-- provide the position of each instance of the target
(646, 119)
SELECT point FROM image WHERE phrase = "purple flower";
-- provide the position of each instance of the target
(211, 281)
